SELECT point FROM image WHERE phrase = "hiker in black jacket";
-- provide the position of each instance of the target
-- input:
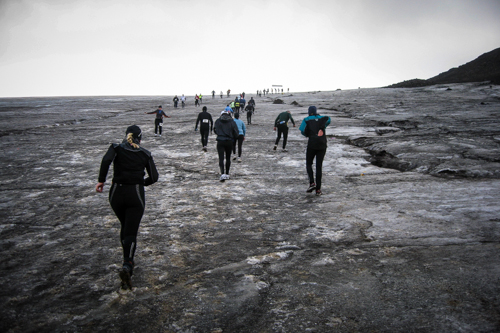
(227, 132)
(206, 126)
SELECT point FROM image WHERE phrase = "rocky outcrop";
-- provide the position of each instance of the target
(485, 68)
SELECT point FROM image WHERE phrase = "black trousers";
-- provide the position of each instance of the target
(204, 131)
(282, 130)
(224, 149)
(240, 143)
(310, 155)
(128, 203)
(249, 117)
(158, 125)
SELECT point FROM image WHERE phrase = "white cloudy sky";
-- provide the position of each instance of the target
(165, 47)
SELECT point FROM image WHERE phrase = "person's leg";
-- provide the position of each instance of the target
(310, 153)
(285, 136)
(204, 136)
(240, 143)
(220, 150)
(278, 137)
(160, 125)
(128, 203)
(229, 148)
(320, 155)
(156, 126)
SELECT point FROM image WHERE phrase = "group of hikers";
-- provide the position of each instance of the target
(129, 160)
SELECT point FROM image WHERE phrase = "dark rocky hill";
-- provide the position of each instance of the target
(485, 68)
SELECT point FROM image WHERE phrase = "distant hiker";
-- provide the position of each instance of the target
(249, 109)
(228, 109)
(233, 106)
(252, 102)
(314, 127)
(241, 136)
(221, 94)
(242, 103)
(281, 123)
(159, 119)
(183, 101)
(213, 94)
(236, 105)
(243, 94)
(126, 195)
(228, 92)
(206, 126)
(227, 132)
(176, 100)
(201, 98)
(196, 100)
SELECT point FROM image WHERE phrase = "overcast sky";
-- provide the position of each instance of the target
(155, 47)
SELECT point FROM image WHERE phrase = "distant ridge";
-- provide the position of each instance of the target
(485, 68)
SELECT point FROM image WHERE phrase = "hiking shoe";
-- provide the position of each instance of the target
(239, 159)
(275, 146)
(223, 177)
(284, 150)
(205, 148)
(125, 274)
(311, 188)
(227, 176)
(234, 158)
(318, 192)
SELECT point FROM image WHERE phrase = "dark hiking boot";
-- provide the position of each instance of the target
(311, 188)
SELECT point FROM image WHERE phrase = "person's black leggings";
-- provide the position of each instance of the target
(249, 118)
(128, 204)
(204, 135)
(158, 125)
(240, 142)
(224, 147)
(284, 130)
(320, 155)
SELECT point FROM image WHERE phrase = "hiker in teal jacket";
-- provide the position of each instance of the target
(314, 128)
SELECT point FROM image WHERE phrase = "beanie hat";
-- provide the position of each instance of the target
(135, 130)
(312, 110)
(237, 115)
(204, 108)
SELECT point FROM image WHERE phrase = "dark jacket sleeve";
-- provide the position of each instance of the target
(152, 172)
(211, 122)
(197, 121)
(216, 125)
(105, 163)
(236, 132)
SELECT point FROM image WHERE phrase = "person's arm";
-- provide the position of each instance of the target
(215, 127)
(197, 121)
(328, 121)
(293, 122)
(236, 131)
(211, 123)
(152, 172)
(103, 171)
(244, 129)
(302, 127)
(276, 122)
